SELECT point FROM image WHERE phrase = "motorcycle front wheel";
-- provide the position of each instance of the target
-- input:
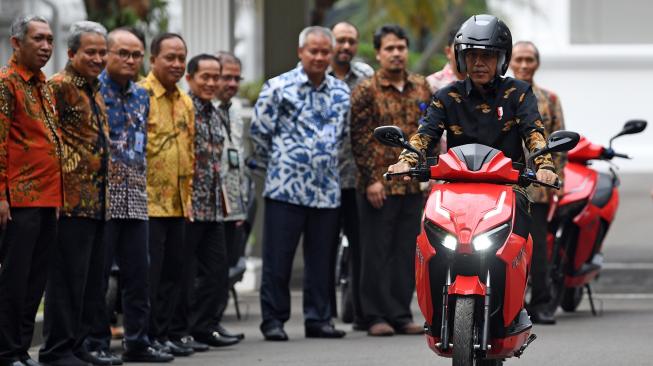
(463, 332)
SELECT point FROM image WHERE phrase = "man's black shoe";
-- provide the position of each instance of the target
(225, 333)
(28, 361)
(95, 358)
(148, 354)
(323, 331)
(275, 334)
(542, 317)
(104, 354)
(214, 339)
(160, 346)
(190, 342)
(178, 351)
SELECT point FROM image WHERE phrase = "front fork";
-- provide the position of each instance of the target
(444, 329)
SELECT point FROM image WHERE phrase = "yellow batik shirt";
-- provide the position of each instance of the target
(170, 156)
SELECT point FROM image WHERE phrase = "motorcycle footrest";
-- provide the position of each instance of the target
(521, 350)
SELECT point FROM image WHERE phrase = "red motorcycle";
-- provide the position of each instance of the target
(471, 268)
(580, 220)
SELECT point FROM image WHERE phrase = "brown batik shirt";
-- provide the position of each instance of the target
(376, 102)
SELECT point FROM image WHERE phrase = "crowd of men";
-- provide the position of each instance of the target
(100, 166)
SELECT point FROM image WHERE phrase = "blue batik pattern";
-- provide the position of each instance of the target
(297, 131)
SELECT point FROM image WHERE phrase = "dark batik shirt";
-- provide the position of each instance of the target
(375, 102)
(502, 118)
(85, 133)
(127, 111)
(206, 195)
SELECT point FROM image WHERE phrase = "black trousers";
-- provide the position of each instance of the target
(167, 249)
(74, 291)
(204, 285)
(540, 263)
(388, 236)
(235, 240)
(349, 225)
(126, 242)
(283, 225)
(28, 242)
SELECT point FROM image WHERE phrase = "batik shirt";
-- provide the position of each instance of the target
(170, 154)
(30, 141)
(376, 102)
(85, 132)
(442, 78)
(550, 109)
(358, 72)
(502, 118)
(208, 156)
(235, 184)
(297, 132)
(127, 111)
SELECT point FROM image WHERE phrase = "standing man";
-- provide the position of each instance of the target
(170, 160)
(74, 291)
(389, 211)
(524, 63)
(235, 185)
(30, 184)
(128, 106)
(298, 127)
(351, 72)
(205, 284)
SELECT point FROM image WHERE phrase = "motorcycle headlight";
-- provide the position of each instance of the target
(439, 236)
(497, 236)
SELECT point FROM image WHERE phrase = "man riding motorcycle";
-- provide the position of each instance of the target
(485, 108)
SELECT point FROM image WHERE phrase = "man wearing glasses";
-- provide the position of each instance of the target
(126, 232)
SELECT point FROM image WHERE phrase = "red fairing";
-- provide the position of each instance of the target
(516, 254)
(585, 150)
(500, 347)
(423, 255)
(499, 169)
(466, 286)
(580, 183)
(467, 210)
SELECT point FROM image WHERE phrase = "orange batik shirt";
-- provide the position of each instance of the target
(30, 142)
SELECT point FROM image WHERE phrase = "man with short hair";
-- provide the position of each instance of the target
(298, 126)
(389, 211)
(236, 187)
(30, 184)
(344, 67)
(205, 284)
(524, 64)
(125, 233)
(170, 160)
(74, 290)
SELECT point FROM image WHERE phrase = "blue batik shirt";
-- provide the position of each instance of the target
(297, 132)
(127, 111)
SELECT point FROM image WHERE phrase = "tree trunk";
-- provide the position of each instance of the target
(440, 39)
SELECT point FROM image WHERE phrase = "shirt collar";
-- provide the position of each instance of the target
(492, 90)
(80, 81)
(158, 88)
(201, 105)
(24, 72)
(384, 81)
(113, 85)
(302, 78)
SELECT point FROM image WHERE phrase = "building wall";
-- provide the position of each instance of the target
(602, 83)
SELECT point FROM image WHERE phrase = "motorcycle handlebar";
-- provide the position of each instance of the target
(609, 154)
(422, 174)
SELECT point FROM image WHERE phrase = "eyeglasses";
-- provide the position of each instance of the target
(125, 55)
(236, 78)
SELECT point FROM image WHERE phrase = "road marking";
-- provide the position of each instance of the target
(629, 266)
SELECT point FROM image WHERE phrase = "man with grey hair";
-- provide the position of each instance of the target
(30, 184)
(74, 289)
(300, 120)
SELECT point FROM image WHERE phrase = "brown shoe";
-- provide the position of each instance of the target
(411, 328)
(380, 330)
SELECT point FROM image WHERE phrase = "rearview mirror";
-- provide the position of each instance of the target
(631, 127)
(560, 141)
(395, 137)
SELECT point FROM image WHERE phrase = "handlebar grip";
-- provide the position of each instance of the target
(623, 156)
(388, 176)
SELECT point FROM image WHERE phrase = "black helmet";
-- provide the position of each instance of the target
(487, 32)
